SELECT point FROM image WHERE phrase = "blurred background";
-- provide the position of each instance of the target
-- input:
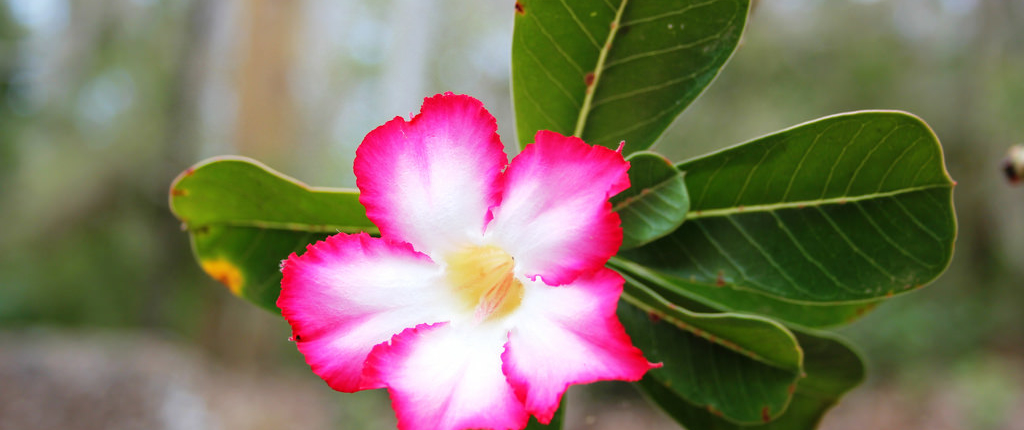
(106, 322)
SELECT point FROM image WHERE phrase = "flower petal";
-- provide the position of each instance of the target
(569, 335)
(351, 292)
(554, 216)
(430, 181)
(448, 377)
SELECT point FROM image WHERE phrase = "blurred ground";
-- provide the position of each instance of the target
(122, 379)
(107, 322)
(115, 379)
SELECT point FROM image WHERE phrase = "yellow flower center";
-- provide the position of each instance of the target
(482, 276)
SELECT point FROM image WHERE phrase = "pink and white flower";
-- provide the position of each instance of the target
(486, 295)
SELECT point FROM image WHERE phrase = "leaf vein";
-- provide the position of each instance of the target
(668, 14)
(856, 249)
(555, 43)
(807, 255)
(889, 239)
(767, 256)
(839, 159)
(579, 24)
(881, 182)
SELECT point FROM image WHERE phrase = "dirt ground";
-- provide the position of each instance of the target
(114, 380)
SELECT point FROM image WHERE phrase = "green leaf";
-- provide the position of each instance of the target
(849, 208)
(797, 315)
(655, 203)
(244, 218)
(556, 421)
(740, 366)
(832, 369)
(614, 70)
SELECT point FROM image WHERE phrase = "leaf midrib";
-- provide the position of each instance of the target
(689, 327)
(801, 204)
(287, 226)
(634, 199)
(602, 56)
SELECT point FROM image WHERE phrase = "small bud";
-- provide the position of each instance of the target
(1013, 164)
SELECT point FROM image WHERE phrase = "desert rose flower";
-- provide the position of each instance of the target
(486, 295)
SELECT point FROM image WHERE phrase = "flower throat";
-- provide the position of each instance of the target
(483, 277)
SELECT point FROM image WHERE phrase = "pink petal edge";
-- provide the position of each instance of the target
(441, 377)
(348, 293)
(569, 335)
(554, 216)
(429, 181)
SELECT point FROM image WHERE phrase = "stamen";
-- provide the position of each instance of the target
(483, 277)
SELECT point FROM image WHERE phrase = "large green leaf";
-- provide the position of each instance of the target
(614, 70)
(832, 369)
(799, 315)
(848, 208)
(244, 218)
(655, 203)
(743, 367)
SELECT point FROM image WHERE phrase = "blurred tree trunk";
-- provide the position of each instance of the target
(265, 125)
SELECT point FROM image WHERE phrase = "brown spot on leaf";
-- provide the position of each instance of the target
(588, 79)
(189, 171)
(178, 192)
(519, 9)
(654, 317)
(714, 411)
(224, 272)
(766, 414)
(720, 280)
(791, 389)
